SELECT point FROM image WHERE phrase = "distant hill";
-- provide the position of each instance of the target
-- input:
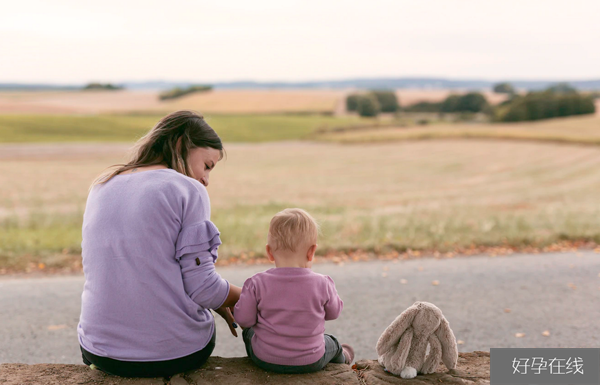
(36, 87)
(371, 83)
(361, 83)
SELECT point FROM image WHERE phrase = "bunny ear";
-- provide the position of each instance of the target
(448, 341)
(390, 337)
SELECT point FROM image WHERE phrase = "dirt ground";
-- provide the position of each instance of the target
(472, 368)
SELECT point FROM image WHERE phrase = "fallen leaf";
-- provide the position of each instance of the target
(546, 333)
(519, 335)
(572, 286)
(56, 327)
(460, 342)
(435, 283)
(507, 310)
(41, 266)
(403, 281)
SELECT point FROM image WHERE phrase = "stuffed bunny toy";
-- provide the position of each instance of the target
(402, 346)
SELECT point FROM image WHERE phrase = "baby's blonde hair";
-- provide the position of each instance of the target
(291, 228)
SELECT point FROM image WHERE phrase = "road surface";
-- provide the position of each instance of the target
(558, 293)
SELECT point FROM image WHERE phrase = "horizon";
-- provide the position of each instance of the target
(302, 81)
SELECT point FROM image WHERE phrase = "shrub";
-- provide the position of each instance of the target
(504, 88)
(424, 107)
(388, 101)
(100, 86)
(368, 105)
(562, 88)
(179, 92)
(546, 104)
(450, 103)
(352, 102)
(472, 102)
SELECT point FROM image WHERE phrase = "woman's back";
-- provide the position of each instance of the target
(134, 304)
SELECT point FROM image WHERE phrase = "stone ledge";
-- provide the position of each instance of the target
(472, 369)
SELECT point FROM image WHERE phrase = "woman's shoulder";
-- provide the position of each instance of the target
(183, 181)
(154, 184)
(167, 179)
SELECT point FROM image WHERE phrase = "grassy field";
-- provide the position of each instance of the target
(420, 195)
(123, 128)
(263, 128)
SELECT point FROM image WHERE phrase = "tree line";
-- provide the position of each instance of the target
(557, 100)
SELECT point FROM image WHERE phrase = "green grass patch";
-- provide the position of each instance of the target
(129, 128)
(55, 240)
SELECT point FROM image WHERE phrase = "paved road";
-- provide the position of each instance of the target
(555, 292)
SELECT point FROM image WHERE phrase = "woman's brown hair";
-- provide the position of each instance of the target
(159, 145)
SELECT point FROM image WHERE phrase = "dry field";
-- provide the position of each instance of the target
(259, 101)
(578, 129)
(219, 101)
(420, 195)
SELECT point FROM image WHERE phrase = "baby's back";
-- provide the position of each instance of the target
(292, 307)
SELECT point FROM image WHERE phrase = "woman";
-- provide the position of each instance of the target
(148, 249)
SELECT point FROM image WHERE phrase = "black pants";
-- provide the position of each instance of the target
(150, 368)
(333, 353)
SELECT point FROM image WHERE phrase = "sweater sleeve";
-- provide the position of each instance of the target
(245, 311)
(202, 282)
(196, 252)
(334, 304)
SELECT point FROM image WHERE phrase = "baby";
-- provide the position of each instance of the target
(283, 310)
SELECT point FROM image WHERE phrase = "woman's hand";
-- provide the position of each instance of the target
(227, 315)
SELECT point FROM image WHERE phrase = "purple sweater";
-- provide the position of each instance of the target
(145, 297)
(287, 307)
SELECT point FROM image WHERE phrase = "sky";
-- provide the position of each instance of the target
(74, 41)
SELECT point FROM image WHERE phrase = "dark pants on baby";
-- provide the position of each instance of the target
(333, 353)
(150, 368)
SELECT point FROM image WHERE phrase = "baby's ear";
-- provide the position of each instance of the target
(310, 254)
(270, 253)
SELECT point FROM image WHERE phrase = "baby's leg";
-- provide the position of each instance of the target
(247, 337)
(334, 352)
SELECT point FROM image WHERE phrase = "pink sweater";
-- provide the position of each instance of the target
(287, 307)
